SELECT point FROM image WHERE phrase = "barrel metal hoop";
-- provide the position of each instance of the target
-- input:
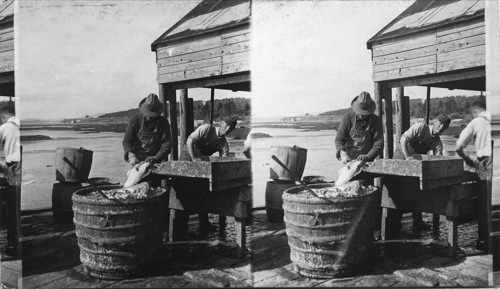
(322, 252)
(115, 213)
(289, 209)
(95, 252)
(115, 241)
(329, 226)
(316, 240)
(98, 227)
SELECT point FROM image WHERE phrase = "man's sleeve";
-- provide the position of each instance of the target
(130, 137)
(166, 143)
(438, 147)
(342, 133)
(465, 137)
(378, 140)
(414, 131)
(198, 134)
(224, 149)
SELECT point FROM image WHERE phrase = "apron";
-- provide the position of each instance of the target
(150, 142)
(360, 143)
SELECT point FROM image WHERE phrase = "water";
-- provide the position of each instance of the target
(38, 162)
(321, 158)
(39, 171)
(39, 174)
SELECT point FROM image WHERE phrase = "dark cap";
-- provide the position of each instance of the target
(444, 120)
(231, 121)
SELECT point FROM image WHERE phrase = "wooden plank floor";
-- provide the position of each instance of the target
(416, 259)
(10, 269)
(51, 260)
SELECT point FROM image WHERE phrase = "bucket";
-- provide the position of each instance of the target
(62, 203)
(329, 239)
(293, 157)
(274, 202)
(81, 158)
(119, 241)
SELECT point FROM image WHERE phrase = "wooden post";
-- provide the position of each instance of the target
(212, 102)
(189, 116)
(183, 94)
(378, 101)
(389, 131)
(406, 113)
(428, 108)
(163, 99)
(378, 98)
(399, 114)
(170, 95)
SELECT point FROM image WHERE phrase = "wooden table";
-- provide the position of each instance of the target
(431, 184)
(219, 185)
(458, 202)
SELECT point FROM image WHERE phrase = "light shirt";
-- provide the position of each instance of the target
(479, 130)
(10, 139)
(421, 139)
(207, 140)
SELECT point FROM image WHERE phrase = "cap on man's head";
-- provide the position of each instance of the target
(9, 108)
(443, 119)
(151, 106)
(479, 103)
(363, 104)
(231, 121)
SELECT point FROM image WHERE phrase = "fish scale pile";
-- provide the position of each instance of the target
(349, 190)
(139, 191)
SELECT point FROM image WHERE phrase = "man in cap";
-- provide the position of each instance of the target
(360, 135)
(421, 138)
(10, 140)
(479, 167)
(147, 137)
(206, 140)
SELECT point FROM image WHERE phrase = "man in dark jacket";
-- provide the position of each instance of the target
(360, 135)
(147, 137)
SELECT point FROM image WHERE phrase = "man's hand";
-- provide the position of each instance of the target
(344, 158)
(3, 166)
(363, 158)
(133, 160)
(151, 160)
(470, 161)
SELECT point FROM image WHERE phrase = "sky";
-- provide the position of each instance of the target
(80, 58)
(311, 56)
(89, 57)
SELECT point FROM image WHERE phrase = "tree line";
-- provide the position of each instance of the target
(456, 107)
(239, 107)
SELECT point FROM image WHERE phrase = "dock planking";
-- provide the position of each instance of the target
(52, 260)
(415, 259)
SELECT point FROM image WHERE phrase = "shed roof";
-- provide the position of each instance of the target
(429, 14)
(206, 17)
(6, 11)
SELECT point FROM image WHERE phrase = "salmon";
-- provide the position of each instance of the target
(349, 171)
(136, 174)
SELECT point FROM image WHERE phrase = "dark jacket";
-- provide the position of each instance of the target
(375, 128)
(132, 143)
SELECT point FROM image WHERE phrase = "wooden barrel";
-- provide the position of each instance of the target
(119, 241)
(62, 203)
(81, 158)
(329, 239)
(274, 202)
(293, 157)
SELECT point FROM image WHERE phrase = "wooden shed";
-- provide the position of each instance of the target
(7, 48)
(207, 48)
(433, 43)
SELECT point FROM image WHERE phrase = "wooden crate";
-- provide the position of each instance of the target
(221, 172)
(433, 171)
